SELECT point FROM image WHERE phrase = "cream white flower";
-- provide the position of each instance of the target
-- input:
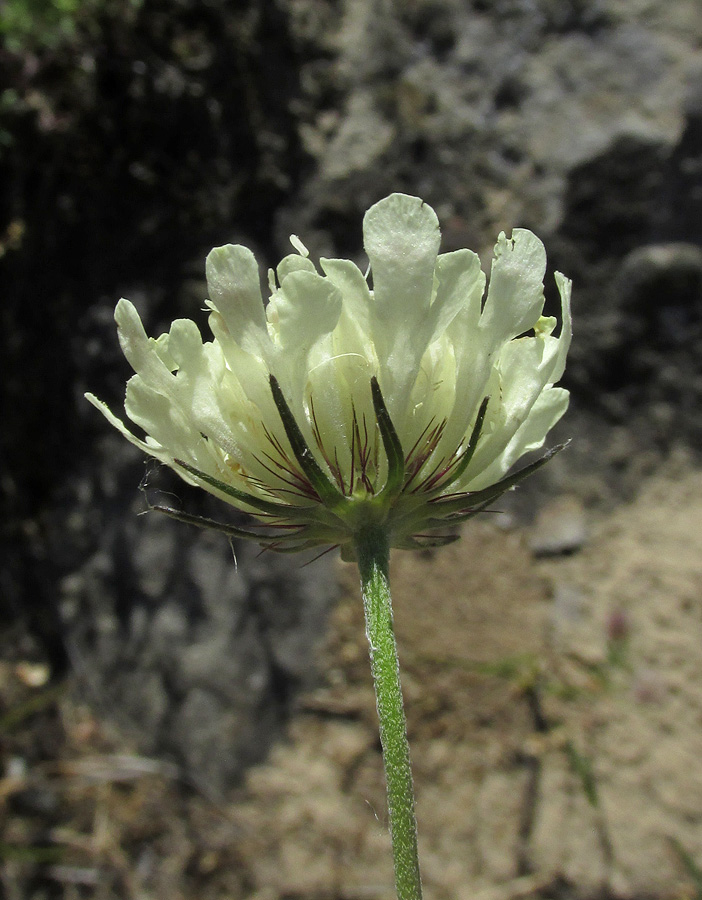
(403, 402)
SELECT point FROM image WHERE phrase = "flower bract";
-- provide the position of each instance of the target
(400, 398)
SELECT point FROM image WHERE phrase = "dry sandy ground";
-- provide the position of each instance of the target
(555, 717)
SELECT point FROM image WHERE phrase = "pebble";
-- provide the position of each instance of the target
(560, 527)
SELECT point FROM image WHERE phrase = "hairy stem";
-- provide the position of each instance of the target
(373, 555)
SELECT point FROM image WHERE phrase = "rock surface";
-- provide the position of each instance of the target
(196, 647)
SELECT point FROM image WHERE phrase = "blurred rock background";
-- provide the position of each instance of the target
(136, 134)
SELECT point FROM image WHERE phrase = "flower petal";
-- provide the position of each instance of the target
(142, 354)
(515, 294)
(354, 323)
(305, 307)
(293, 263)
(401, 238)
(235, 292)
(117, 423)
(547, 409)
(565, 286)
(460, 286)
(524, 370)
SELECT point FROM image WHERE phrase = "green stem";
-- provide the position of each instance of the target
(373, 555)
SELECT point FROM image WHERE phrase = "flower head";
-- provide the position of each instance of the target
(401, 403)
